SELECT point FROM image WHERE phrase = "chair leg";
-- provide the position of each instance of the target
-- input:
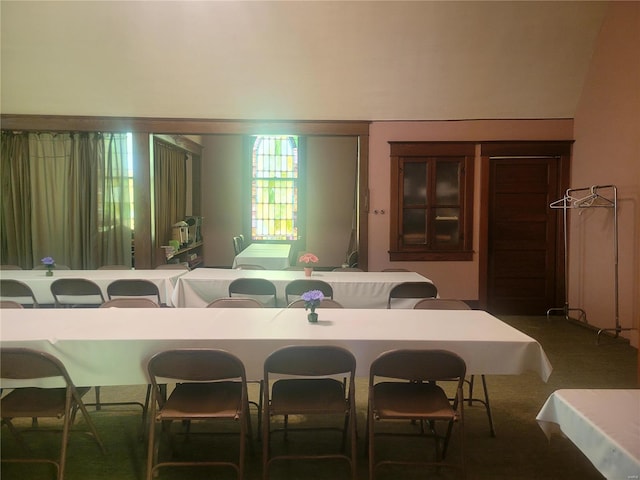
(488, 406)
(98, 405)
(486, 403)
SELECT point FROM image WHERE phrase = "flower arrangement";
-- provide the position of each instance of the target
(308, 258)
(312, 300)
(49, 263)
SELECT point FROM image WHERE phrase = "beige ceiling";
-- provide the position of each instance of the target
(360, 60)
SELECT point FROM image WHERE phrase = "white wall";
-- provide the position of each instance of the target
(321, 60)
(607, 151)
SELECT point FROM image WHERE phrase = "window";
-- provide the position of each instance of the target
(431, 201)
(275, 184)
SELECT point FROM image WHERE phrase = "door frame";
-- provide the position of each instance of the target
(562, 150)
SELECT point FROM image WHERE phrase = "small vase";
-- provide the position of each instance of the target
(307, 271)
(312, 317)
(49, 272)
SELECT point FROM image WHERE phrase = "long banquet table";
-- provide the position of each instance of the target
(40, 284)
(112, 346)
(351, 289)
(271, 256)
(603, 423)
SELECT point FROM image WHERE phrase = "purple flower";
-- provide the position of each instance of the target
(312, 299)
(48, 261)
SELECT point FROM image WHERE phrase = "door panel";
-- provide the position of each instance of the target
(522, 236)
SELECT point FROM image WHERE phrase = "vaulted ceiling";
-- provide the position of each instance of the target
(354, 60)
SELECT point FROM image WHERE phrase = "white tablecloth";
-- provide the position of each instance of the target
(40, 284)
(112, 346)
(271, 256)
(352, 289)
(603, 423)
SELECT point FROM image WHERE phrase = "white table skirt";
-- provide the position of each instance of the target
(351, 289)
(271, 256)
(112, 346)
(41, 284)
(603, 423)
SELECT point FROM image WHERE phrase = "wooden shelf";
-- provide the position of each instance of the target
(191, 247)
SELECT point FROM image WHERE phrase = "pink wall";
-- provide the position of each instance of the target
(607, 151)
(454, 279)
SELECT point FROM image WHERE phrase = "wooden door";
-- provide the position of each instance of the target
(523, 270)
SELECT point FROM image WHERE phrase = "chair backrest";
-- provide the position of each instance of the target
(130, 302)
(114, 267)
(173, 266)
(133, 287)
(10, 304)
(352, 259)
(347, 269)
(258, 288)
(28, 364)
(325, 303)
(295, 288)
(235, 302)
(17, 291)
(58, 266)
(418, 365)
(237, 244)
(10, 267)
(246, 266)
(441, 304)
(412, 290)
(195, 365)
(310, 361)
(66, 290)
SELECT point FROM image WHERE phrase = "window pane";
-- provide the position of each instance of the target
(447, 226)
(415, 183)
(274, 190)
(448, 183)
(414, 226)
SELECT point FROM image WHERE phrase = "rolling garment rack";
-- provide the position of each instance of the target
(596, 196)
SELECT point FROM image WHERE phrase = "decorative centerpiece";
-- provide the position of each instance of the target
(312, 300)
(308, 259)
(49, 264)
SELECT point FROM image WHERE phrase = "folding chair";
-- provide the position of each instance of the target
(235, 302)
(130, 302)
(10, 304)
(17, 291)
(296, 288)
(415, 290)
(134, 287)
(260, 289)
(402, 386)
(32, 402)
(209, 385)
(66, 290)
(307, 390)
(452, 304)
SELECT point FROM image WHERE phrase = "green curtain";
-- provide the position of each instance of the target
(68, 181)
(170, 182)
(15, 214)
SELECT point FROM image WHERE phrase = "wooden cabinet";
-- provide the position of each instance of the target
(431, 201)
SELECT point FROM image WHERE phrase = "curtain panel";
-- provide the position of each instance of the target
(170, 182)
(15, 214)
(66, 180)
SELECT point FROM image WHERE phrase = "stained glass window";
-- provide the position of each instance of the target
(274, 188)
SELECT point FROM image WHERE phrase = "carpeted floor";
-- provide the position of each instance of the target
(520, 451)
